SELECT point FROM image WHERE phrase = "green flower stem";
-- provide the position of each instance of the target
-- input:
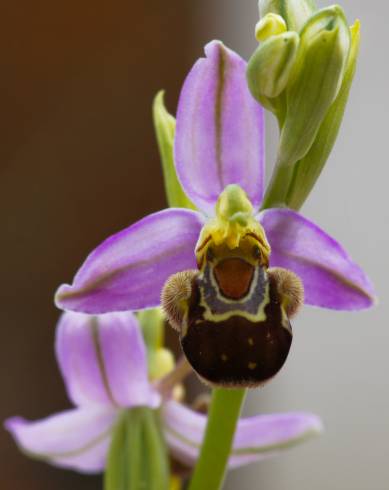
(223, 417)
(278, 187)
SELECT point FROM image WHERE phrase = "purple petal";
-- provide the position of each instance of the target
(331, 278)
(220, 130)
(103, 360)
(127, 271)
(77, 439)
(256, 438)
(263, 436)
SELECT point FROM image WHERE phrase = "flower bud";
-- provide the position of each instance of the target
(270, 25)
(315, 82)
(295, 12)
(270, 66)
(309, 168)
(161, 363)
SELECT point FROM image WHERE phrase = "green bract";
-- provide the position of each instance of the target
(295, 12)
(309, 168)
(317, 77)
(165, 126)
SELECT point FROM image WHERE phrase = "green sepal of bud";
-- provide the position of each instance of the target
(137, 456)
(165, 127)
(309, 168)
(270, 25)
(315, 82)
(295, 12)
(269, 68)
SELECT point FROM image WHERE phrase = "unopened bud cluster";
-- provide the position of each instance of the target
(299, 69)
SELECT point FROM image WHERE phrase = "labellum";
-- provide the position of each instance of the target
(233, 313)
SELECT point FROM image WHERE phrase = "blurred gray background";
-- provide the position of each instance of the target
(338, 366)
(76, 155)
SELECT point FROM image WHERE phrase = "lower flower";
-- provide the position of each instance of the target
(103, 361)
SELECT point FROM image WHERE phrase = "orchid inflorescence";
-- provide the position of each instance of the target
(230, 262)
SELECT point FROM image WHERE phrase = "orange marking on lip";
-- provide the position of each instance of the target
(234, 277)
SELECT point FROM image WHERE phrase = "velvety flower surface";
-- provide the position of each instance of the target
(219, 141)
(104, 365)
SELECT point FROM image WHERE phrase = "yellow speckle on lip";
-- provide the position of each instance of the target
(252, 365)
(250, 341)
(224, 357)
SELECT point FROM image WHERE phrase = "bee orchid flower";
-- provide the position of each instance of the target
(233, 263)
(219, 141)
(103, 361)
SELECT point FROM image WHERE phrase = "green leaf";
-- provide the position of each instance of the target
(308, 169)
(137, 458)
(165, 126)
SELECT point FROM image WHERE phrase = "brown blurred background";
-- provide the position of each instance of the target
(78, 161)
